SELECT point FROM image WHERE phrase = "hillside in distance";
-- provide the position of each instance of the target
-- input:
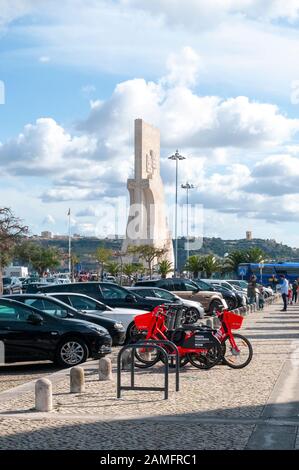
(85, 248)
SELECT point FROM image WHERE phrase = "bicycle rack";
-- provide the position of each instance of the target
(150, 344)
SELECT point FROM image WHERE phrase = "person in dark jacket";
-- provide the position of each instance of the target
(251, 290)
(295, 292)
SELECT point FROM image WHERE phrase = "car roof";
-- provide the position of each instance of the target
(13, 301)
(40, 296)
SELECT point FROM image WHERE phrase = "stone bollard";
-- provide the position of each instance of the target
(105, 369)
(43, 395)
(126, 360)
(77, 380)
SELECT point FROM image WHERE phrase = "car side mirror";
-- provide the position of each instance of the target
(130, 298)
(35, 319)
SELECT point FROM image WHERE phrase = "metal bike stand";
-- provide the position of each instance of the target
(147, 345)
(177, 357)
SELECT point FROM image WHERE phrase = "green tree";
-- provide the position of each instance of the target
(210, 265)
(194, 265)
(113, 268)
(45, 258)
(103, 255)
(149, 254)
(164, 267)
(11, 232)
(26, 251)
(131, 269)
(255, 255)
(233, 260)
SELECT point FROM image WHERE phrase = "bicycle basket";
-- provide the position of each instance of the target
(143, 321)
(234, 321)
(173, 317)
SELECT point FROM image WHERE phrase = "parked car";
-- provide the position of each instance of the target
(29, 334)
(106, 292)
(58, 308)
(194, 311)
(189, 290)
(11, 284)
(230, 297)
(239, 283)
(86, 304)
(240, 293)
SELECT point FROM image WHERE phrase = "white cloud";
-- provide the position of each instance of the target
(207, 14)
(94, 161)
(49, 220)
(43, 148)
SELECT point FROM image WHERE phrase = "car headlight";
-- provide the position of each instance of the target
(100, 331)
(119, 326)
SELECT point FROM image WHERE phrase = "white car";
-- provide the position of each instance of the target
(83, 303)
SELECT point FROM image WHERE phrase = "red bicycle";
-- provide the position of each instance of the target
(198, 346)
(236, 349)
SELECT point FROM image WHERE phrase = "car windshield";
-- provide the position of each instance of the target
(113, 292)
(203, 285)
(84, 303)
(164, 294)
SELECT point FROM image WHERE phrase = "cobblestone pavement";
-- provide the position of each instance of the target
(217, 409)
(15, 375)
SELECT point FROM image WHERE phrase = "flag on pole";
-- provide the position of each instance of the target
(69, 212)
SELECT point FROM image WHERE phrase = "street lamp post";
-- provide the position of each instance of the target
(187, 186)
(176, 157)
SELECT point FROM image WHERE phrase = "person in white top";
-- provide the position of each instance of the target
(284, 292)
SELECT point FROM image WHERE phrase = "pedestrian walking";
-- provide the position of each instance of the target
(290, 294)
(251, 290)
(295, 292)
(284, 292)
(261, 297)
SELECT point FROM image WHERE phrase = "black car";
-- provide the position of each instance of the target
(193, 310)
(106, 292)
(29, 334)
(59, 308)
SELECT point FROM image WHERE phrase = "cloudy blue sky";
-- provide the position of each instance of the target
(220, 78)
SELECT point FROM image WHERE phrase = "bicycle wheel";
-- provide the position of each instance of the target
(241, 359)
(206, 360)
(147, 357)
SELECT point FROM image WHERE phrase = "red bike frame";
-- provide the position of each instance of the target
(154, 323)
(229, 321)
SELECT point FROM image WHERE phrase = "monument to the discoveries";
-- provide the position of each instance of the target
(147, 223)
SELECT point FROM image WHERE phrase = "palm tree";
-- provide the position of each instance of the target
(210, 265)
(164, 267)
(113, 268)
(255, 255)
(132, 268)
(194, 265)
(233, 260)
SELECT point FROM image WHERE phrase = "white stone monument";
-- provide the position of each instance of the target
(147, 224)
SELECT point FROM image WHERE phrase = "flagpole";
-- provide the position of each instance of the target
(70, 246)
